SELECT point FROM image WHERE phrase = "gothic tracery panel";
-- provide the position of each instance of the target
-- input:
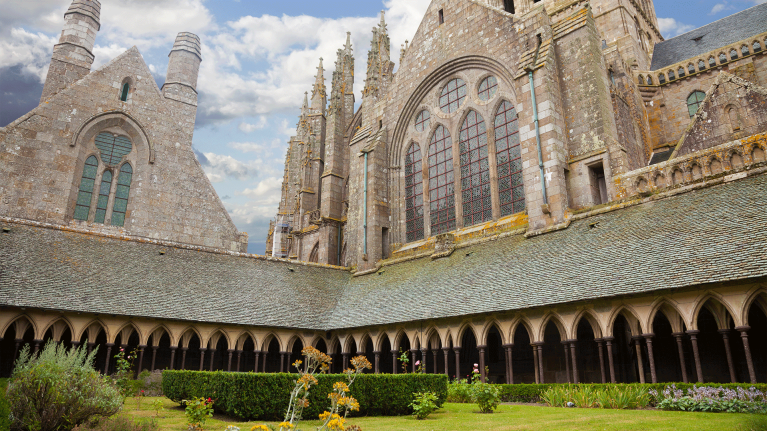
(510, 184)
(441, 182)
(414, 193)
(475, 171)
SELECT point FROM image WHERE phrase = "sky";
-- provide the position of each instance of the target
(259, 57)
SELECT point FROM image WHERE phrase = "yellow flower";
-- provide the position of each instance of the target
(286, 425)
(340, 387)
(324, 416)
(259, 428)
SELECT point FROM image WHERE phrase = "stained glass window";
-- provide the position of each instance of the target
(441, 182)
(488, 88)
(84, 196)
(422, 120)
(414, 193)
(694, 101)
(510, 184)
(452, 96)
(113, 148)
(121, 195)
(101, 206)
(475, 171)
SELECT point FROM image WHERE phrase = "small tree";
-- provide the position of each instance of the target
(58, 390)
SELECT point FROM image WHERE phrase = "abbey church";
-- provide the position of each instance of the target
(545, 187)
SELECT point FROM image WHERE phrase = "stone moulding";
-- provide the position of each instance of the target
(125, 121)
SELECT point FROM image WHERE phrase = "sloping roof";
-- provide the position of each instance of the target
(720, 33)
(709, 235)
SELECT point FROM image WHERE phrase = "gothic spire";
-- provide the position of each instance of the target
(305, 106)
(378, 58)
(319, 94)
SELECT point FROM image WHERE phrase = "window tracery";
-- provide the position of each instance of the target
(694, 101)
(120, 207)
(422, 120)
(488, 88)
(441, 182)
(103, 201)
(509, 156)
(475, 171)
(452, 96)
(85, 194)
(113, 148)
(414, 194)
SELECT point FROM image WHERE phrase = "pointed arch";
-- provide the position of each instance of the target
(292, 341)
(558, 322)
(716, 298)
(486, 330)
(475, 169)
(50, 325)
(363, 341)
(591, 318)
(84, 329)
(242, 338)
(432, 335)
(334, 346)
(350, 345)
(511, 187)
(466, 325)
(441, 182)
(635, 324)
(398, 339)
(184, 338)
(380, 342)
(670, 311)
(32, 324)
(525, 323)
(163, 327)
(125, 326)
(268, 340)
(755, 297)
(414, 213)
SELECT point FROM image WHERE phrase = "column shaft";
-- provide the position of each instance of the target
(651, 357)
(575, 362)
(728, 353)
(680, 348)
(601, 359)
(747, 349)
(609, 341)
(696, 354)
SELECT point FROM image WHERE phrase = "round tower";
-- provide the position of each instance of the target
(185, 59)
(73, 55)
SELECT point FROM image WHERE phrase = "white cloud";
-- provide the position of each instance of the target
(718, 8)
(270, 188)
(246, 147)
(249, 128)
(670, 27)
(31, 50)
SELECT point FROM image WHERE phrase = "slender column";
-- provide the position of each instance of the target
(173, 357)
(540, 363)
(282, 362)
(239, 359)
(263, 365)
(457, 351)
(37, 346)
(640, 362)
(575, 362)
(424, 355)
(509, 372)
(183, 357)
(651, 357)
(696, 353)
(212, 356)
(726, 338)
(566, 345)
(414, 356)
(109, 357)
(154, 357)
(345, 361)
(90, 347)
(140, 359)
(202, 357)
(16, 350)
(75, 344)
(229, 361)
(482, 374)
(535, 364)
(257, 353)
(747, 349)
(394, 356)
(445, 352)
(609, 341)
(680, 347)
(434, 354)
(600, 341)
(377, 369)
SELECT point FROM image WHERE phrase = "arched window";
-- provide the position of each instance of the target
(744, 50)
(690, 68)
(649, 80)
(641, 80)
(85, 194)
(452, 96)
(661, 79)
(121, 195)
(711, 62)
(510, 185)
(757, 46)
(693, 102)
(488, 88)
(104, 190)
(733, 54)
(475, 171)
(422, 120)
(671, 75)
(680, 72)
(441, 182)
(722, 58)
(124, 92)
(113, 148)
(701, 65)
(413, 193)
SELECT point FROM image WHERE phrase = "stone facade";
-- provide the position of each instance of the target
(43, 154)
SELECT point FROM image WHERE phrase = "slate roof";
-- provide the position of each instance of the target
(709, 235)
(731, 29)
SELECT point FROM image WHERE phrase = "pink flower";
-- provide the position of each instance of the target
(417, 363)
(476, 365)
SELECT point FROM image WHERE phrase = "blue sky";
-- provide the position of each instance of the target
(259, 59)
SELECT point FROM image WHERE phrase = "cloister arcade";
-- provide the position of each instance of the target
(717, 335)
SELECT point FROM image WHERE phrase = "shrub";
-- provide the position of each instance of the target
(259, 396)
(710, 399)
(197, 411)
(423, 404)
(486, 396)
(458, 391)
(120, 424)
(59, 390)
(623, 397)
(587, 396)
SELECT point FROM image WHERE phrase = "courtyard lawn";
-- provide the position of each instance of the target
(463, 417)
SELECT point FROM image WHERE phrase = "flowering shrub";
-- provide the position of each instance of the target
(403, 357)
(459, 391)
(423, 404)
(316, 361)
(198, 410)
(340, 398)
(709, 399)
(486, 396)
(123, 374)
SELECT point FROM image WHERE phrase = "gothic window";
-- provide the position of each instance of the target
(757, 46)
(488, 88)
(694, 101)
(475, 171)
(649, 80)
(121, 195)
(641, 80)
(711, 62)
(104, 190)
(414, 193)
(85, 194)
(733, 54)
(690, 68)
(661, 79)
(452, 96)
(701, 65)
(671, 75)
(744, 50)
(124, 92)
(510, 185)
(722, 58)
(422, 120)
(441, 182)
(113, 148)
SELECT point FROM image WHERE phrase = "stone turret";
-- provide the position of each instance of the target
(319, 93)
(73, 55)
(183, 68)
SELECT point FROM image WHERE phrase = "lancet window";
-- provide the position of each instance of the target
(509, 156)
(414, 193)
(441, 182)
(475, 171)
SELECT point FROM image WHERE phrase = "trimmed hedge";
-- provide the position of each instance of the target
(531, 393)
(258, 396)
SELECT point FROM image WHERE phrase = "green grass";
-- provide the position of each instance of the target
(465, 417)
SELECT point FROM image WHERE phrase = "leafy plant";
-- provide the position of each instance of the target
(58, 390)
(120, 424)
(340, 399)
(404, 359)
(486, 396)
(459, 391)
(158, 407)
(123, 373)
(423, 404)
(710, 399)
(198, 410)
